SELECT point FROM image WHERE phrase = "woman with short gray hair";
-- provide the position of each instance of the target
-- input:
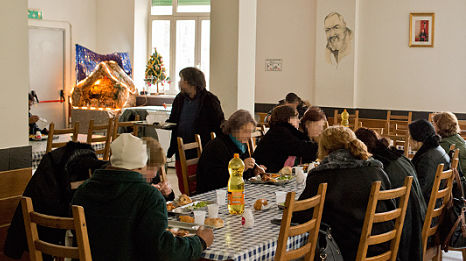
(212, 169)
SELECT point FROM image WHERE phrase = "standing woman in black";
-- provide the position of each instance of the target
(284, 140)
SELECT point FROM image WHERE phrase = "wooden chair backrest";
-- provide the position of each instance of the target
(397, 122)
(37, 246)
(262, 116)
(52, 131)
(312, 226)
(105, 128)
(213, 135)
(12, 185)
(117, 124)
(398, 215)
(353, 119)
(252, 142)
(400, 140)
(182, 148)
(428, 230)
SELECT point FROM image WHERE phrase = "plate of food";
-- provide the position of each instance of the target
(37, 138)
(184, 204)
(271, 178)
(262, 204)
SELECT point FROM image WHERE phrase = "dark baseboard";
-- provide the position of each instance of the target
(363, 113)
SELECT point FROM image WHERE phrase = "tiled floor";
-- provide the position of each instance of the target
(173, 180)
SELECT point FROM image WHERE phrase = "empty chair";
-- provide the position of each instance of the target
(397, 122)
(353, 119)
(398, 215)
(189, 179)
(37, 246)
(106, 129)
(52, 131)
(312, 226)
(127, 124)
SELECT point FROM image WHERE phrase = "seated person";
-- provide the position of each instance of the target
(293, 101)
(446, 125)
(398, 167)
(313, 123)
(127, 217)
(157, 161)
(349, 171)
(429, 154)
(284, 140)
(33, 128)
(212, 169)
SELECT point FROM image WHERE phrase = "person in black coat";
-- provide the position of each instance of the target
(284, 140)
(195, 111)
(398, 167)
(212, 170)
(50, 191)
(349, 171)
(428, 156)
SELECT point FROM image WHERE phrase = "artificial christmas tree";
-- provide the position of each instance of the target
(155, 71)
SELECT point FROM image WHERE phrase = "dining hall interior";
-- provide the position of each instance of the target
(384, 69)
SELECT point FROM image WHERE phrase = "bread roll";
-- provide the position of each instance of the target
(286, 171)
(260, 203)
(187, 219)
(214, 222)
(184, 199)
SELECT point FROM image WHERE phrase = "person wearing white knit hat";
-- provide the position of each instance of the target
(121, 206)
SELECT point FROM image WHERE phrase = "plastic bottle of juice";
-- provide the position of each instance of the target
(344, 119)
(236, 186)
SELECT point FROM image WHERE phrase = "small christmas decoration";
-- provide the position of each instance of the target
(155, 71)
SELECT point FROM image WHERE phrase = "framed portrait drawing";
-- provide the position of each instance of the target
(421, 29)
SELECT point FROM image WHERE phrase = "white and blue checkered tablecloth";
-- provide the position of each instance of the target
(233, 242)
(39, 147)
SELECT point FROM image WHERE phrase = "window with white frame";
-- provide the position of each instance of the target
(180, 30)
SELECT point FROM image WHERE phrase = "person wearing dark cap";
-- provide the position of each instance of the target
(429, 154)
(294, 101)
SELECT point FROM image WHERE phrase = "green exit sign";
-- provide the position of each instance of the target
(34, 14)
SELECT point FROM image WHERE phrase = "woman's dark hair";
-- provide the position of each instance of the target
(238, 119)
(314, 113)
(371, 139)
(292, 97)
(282, 114)
(194, 77)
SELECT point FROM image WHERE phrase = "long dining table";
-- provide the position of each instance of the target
(259, 242)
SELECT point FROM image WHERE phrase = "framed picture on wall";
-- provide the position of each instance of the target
(421, 29)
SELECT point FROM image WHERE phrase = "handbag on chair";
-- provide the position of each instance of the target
(327, 249)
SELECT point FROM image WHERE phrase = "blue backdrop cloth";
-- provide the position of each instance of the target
(87, 60)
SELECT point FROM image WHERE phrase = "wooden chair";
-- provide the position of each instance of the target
(107, 128)
(117, 124)
(441, 177)
(12, 185)
(185, 163)
(371, 217)
(252, 142)
(213, 135)
(397, 122)
(262, 116)
(37, 246)
(312, 226)
(400, 140)
(353, 119)
(52, 131)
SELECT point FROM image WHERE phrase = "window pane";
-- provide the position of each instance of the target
(205, 49)
(185, 44)
(193, 6)
(161, 7)
(161, 41)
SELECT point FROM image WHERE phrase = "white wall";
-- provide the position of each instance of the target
(286, 30)
(392, 75)
(14, 70)
(80, 14)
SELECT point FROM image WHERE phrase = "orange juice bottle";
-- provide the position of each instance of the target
(236, 186)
